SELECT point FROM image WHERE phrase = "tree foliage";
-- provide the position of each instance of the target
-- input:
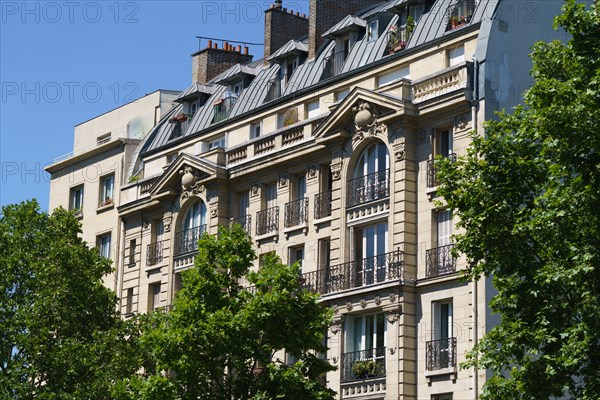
(222, 341)
(528, 197)
(61, 336)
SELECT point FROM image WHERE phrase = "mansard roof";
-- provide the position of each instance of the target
(290, 48)
(348, 23)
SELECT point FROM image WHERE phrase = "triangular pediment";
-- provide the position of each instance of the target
(203, 171)
(341, 122)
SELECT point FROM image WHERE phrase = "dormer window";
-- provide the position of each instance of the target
(224, 105)
(289, 67)
(373, 30)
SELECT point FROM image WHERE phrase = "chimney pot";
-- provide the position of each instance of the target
(216, 46)
(238, 48)
(225, 46)
(246, 50)
(209, 44)
(284, 9)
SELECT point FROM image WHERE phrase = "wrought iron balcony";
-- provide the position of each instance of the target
(322, 205)
(334, 64)
(432, 180)
(154, 253)
(364, 364)
(440, 354)
(187, 241)
(368, 188)
(353, 274)
(439, 261)
(296, 212)
(267, 221)
(245, 221)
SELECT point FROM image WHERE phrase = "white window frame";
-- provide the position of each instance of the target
(373, 30)
(107, 189)
(104, 245)
(256, 129)
(76, 198)
(219, 142)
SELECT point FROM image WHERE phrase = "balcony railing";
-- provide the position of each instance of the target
(245, 221)
(368, 188)
(439, 261)
(154, 253)
(353, 274)
(187, 241)
(334, 64)
(440, 354)
(267, 221)
(432, 179)
(322, 205)
(460, 14)
(364, 364)
(296, 212)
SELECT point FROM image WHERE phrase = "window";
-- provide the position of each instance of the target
(237, 87)
(217, 143)
(255, 129)
(244, 204)
(154, 296)
(296, 254)
(443, 228)
(103, 138)
(287, 117)
(394, 76)
(341, 95)
(132, 244)
(441, 351)
(171, 157)
(443, 143)
(445, 396)
(107, 184)
(324, 251)
(371, 244)
(195, 216)
(371, 176)
(76, 202)
(364, 355)
(313, 109)
(439, 259)
(271, 195)
(456, 56)
(373, 30)
(104, 245)
(129, 305)
(290, 67)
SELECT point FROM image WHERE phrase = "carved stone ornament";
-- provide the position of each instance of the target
(393, 316)
(312, 171)
(363, 303)
(365, 123)
(335, 308)
(283, 180)
(461, 122)
(393, 297)
(336, 171)
(167, 222)
(377, 300)
(146, 224)
(392, 350)
(214, 212)
(189, 183)
(400, 153)
(254, 188)
(349, 305)
(336, 327)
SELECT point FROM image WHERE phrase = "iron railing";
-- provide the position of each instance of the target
(322, 205)
(245, 221)
(432, 179)
(363, 364)
(154, 253)
(353, 274)
(370, 187)
(440, 353)
(460, 14)
(296, 212)
(267, 221)
(187, 241)
(439, 261)
(334, 64)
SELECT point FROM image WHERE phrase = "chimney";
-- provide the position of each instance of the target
(211, 61)
(326, 13)
(281, 26)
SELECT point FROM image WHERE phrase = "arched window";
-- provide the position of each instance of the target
(193, 226)
(371, 176)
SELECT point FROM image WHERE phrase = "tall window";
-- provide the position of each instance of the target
(441, 351)
(371, 176)
(371, 245)
(107, 184)
(443, 143)
(104, 245)
(364, 355)
(296, 254)
(373, 30)
(76, 202)
(244, 204)
(195, 216)
(271, 195)
(154, 296)
(129, 305)
(443, 228)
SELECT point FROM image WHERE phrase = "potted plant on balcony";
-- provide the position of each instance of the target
(454, 22)
(363, 369)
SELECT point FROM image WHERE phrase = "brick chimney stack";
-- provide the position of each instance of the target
(211, 61)
(326, 13)
(281, 26)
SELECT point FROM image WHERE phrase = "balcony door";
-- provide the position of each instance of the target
(365, 343)
(371, 245)
(444, 228)
(195, 217)
(442, 332)
(194, 224)
(371, 180)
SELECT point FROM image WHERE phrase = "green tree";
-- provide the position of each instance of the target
(221, 341)
(528, 197)
(61, 336)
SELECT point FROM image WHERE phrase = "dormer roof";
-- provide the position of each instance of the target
(236, 73)
(195, 91)
(350, 22)
(292, 47)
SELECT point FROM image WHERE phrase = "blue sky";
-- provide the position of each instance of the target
(64, 62)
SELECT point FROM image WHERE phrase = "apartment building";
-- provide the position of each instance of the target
(324, 149)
